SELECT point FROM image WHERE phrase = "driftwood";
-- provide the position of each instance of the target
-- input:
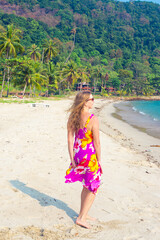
(154, 145)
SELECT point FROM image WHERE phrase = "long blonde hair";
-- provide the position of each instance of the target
(76, 109)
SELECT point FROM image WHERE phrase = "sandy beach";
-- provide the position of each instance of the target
(37, 204)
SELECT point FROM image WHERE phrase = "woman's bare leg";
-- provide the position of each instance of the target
(87, 198)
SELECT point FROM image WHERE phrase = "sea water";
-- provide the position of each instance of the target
(145, 115)
(150, 108)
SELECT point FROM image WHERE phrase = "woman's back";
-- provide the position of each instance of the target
(83, 120)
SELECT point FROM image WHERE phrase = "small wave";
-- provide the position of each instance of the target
(134, 109)
(142, 113)
(155, 119)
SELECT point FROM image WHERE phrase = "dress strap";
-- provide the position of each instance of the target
(88, 120)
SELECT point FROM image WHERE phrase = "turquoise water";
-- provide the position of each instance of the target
(150, 108)
(144, 115)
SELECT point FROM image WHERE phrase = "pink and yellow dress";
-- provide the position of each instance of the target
(87, 169)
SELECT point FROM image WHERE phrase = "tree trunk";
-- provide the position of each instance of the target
(94, 86)
(101, 86)
(4, 74)
(8, 73)
(59, 88)
(34, 91)
(24, 89)
(71, 48)
(8, 83)
(30, 93)
(43, 55)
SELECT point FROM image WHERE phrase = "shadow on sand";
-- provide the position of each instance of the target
(44, 200)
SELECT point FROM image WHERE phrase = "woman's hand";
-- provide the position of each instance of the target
(101, 170)
(73, 164)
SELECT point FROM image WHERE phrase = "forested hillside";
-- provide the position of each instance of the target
(120, 41)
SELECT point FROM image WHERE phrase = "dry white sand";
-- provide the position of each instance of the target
(37, 204)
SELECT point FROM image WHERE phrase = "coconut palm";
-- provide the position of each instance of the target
(2, 29)
(51, 73)
(50, 49)
(73, 31)
(27, 73)
(97, 75)
(10, 45)
(83, 75)
(70, 73)
(59, 75)
(10, 42)
(34, 53)
(3, 73)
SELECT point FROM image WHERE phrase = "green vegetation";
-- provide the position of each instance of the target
(114, 46)
(16, 101)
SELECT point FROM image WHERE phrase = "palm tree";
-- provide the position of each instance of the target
(2, 29)
(34, 53)
(10, 45)
(51, 73)
(73, 31)
(50, 49)
(83, 75)
(97, 74)
(4, 75)
(27, 73)
(60, 67)
(70, 73)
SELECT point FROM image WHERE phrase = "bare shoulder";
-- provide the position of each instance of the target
(68, 125)
(95, 119)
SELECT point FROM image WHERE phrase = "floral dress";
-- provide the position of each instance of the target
(87, 169)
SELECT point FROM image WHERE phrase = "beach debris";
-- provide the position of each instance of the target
(154, 145)
(39, 105)
(41, 232)
(147, 150)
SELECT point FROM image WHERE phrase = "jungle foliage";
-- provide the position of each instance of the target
(113, 44)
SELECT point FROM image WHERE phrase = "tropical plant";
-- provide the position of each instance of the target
(97, 75)
(50, 49)
(70, 73)
(26, 74)
(10, 46)
(73, 31)
(34, 52)
(83, 75)
(51, 73)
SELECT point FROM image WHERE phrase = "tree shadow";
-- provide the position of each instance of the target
(44, 200)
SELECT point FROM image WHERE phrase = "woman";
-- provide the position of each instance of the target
(84, 151)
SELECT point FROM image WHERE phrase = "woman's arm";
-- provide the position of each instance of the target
(70, 145)
(96, 140)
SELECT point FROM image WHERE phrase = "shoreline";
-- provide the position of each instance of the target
(143, 122)
(127, 135)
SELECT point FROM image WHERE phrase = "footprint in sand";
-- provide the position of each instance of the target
(113, 224)
(135, 237)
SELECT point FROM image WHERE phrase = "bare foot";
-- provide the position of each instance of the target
(83, 223)
(91, 218)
